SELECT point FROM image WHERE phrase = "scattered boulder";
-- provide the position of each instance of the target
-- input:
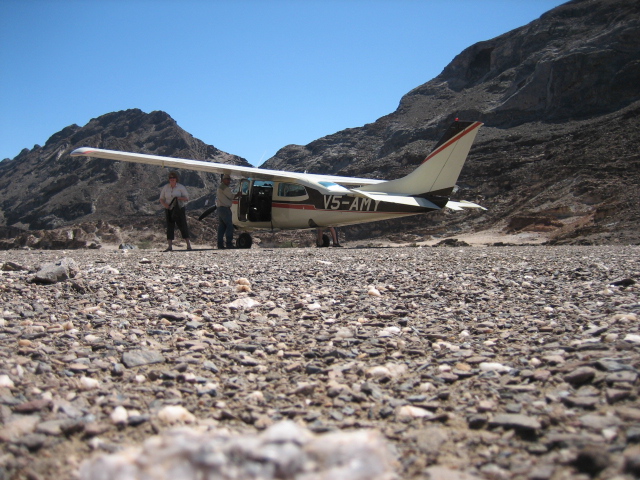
(452, 242)
(55, 272)
(284, 450)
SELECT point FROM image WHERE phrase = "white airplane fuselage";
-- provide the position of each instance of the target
(287, 206)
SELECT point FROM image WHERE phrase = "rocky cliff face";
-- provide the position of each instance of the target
(559, 150)
(46, 188)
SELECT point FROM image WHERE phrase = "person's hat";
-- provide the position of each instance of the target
(226, 177)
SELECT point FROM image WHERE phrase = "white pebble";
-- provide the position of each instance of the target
(610, 434)
(88, 383)
(243, 303)
(378, 372)
(175, 413)
(6, 382)
(389, 332)
(409, 411)
(207, 388)
(343, 333)
(426, 387)
(632, 338)
(396, 369)
(256, 397)
(119, 415)
(494, 366)
(486, 406)
(391, 370)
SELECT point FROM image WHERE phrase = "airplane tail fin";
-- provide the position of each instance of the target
(438, 173)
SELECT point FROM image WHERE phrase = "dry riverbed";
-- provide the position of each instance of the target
(458, 363)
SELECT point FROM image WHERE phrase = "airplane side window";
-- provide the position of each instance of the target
(291, 190)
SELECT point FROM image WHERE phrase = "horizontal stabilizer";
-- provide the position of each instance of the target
(462, 204)
(400, 199)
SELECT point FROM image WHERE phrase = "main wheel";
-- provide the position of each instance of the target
(244, 241)
(325, 241)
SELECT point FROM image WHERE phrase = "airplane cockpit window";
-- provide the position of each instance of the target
(291, 190)
(334, 187)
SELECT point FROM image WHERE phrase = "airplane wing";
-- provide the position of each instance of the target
(221, 168)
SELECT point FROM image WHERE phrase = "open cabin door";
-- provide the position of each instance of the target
(254, 204)
(243, 200)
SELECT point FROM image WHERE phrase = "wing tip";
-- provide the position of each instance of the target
(81, 151)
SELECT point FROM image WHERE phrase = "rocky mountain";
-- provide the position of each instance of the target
(558, 153)
(49, 189)
(559, 150)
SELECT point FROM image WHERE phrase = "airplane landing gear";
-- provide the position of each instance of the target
(326, 241)
(244, 241)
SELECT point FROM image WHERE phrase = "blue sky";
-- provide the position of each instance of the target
(246, 76)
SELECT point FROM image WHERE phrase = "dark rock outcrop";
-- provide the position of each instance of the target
(560, 101)
(49, 189)
(136, 232)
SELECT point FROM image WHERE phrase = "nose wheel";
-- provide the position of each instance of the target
(244, 241)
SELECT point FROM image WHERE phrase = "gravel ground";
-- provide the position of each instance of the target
(490, 363)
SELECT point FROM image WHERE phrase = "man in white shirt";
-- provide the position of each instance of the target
(224, 200)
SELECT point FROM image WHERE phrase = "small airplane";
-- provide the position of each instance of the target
(281, 200)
